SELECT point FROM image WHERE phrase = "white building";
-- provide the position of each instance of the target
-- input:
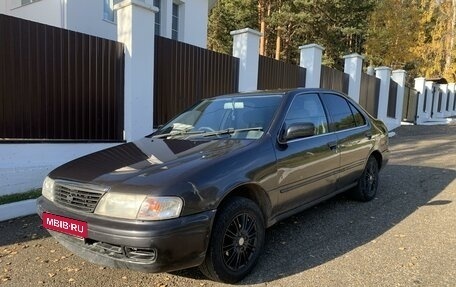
(184, 20)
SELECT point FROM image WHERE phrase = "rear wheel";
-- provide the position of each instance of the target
(368, 182)
(237, 241)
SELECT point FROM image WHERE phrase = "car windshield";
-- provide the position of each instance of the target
(240, 117)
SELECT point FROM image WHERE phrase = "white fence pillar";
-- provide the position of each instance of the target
(451, 91)
(431, 89)
(400, 77)
(311, 56)
(384, 74)
(246, 47)
(420, 86)
(135, 29)
(354, 67)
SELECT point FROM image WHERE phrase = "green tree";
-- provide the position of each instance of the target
(338, 25)
(226, 16)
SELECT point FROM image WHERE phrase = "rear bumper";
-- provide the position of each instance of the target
(385, 158)
(163, 246)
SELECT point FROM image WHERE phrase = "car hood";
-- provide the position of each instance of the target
(144, 157)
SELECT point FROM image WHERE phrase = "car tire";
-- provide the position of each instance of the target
(237, 240)
(366, 189)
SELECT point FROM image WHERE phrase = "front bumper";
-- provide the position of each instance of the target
(162, 246)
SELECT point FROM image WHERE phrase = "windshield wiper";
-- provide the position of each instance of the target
(208, 134)
(180, 133)
(230, 131)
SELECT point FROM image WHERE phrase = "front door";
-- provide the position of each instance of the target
(307, 167)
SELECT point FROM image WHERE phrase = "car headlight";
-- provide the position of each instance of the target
(48, 188)
(143, 207)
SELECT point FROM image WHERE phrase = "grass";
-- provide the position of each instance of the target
(32, 194)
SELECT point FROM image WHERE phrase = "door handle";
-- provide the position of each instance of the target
(332, 145)
(368, 135)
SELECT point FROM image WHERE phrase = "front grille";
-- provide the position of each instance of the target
(78, 196)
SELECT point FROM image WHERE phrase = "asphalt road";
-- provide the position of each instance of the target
(405, 237)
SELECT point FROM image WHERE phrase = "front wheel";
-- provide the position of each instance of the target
(236, 243)
(368, 182)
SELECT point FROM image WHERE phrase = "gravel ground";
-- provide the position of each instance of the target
(405, 237)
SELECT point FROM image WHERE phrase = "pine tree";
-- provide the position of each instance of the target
(227, 16)
(338, 25)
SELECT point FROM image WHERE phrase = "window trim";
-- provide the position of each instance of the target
(328, 117)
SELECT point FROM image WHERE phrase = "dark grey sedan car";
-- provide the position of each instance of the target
(201, 190)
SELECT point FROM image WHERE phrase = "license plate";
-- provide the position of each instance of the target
(65, 225)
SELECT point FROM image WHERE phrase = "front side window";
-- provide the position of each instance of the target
(307, 108)
(341, 114)
(243, 117)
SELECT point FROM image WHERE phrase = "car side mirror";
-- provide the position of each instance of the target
(298, 130)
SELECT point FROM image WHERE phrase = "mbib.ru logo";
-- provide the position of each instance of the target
(65, 225)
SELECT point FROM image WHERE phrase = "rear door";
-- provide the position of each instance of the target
(353, 137)
(307, 167)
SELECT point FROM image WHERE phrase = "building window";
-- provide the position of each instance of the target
(108, 11)
(157, 3)
(25, 2)
(175, 26)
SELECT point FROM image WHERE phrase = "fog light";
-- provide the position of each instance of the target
(141, 254)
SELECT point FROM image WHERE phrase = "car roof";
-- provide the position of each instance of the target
(274, 92)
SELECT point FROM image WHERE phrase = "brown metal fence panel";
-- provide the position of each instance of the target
(334, 79)
(273, 74)
(392, 100)
(369, 93)
(57, 84)
(410, 107)
(185, 74)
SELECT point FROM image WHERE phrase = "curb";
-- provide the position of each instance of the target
(17, 209)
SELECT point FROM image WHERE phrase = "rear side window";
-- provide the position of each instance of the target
(340, 112)
(359, 118)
